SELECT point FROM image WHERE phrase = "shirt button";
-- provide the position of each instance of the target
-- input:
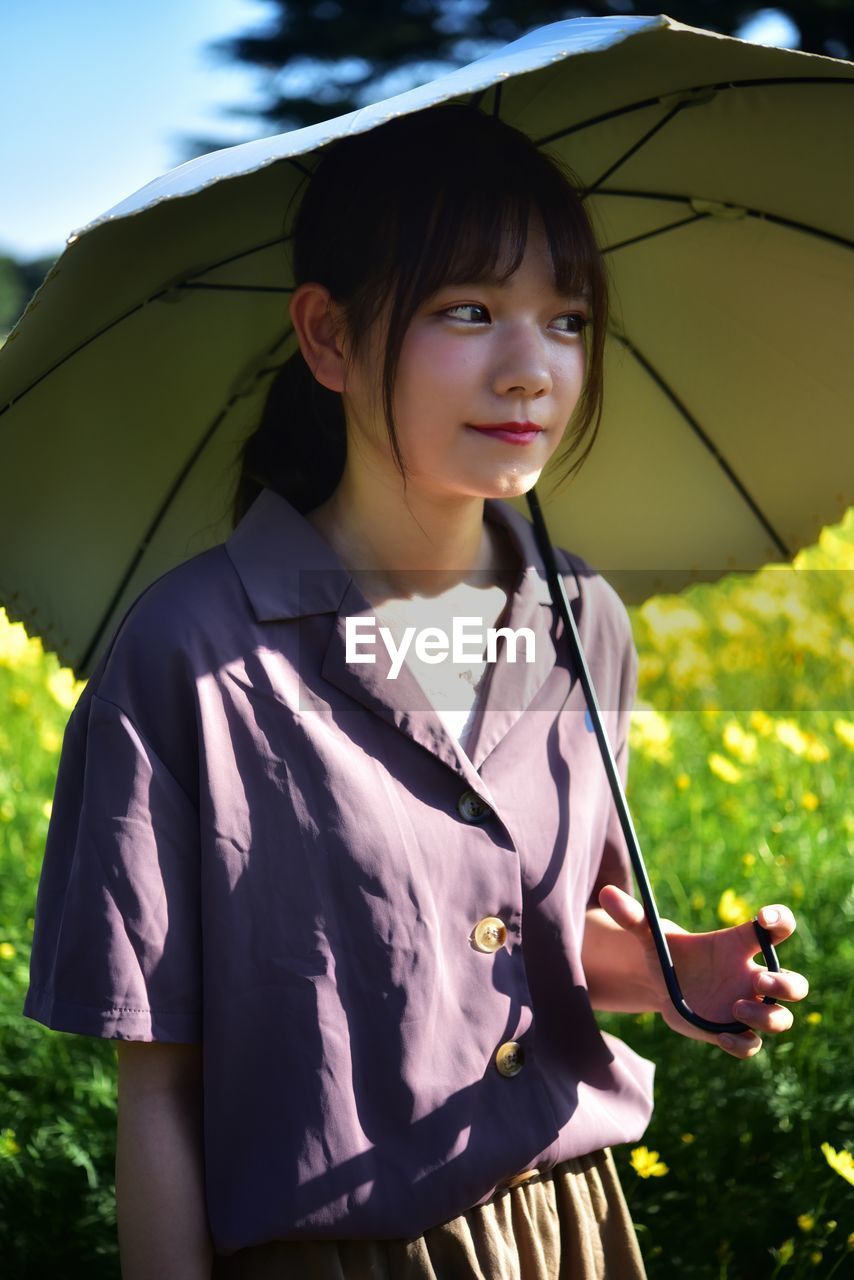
(472, 808)
(490, 934)
(510, 1058)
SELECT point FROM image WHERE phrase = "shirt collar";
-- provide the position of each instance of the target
(289, 570)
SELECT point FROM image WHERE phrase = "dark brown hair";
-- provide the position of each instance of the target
(389, 217)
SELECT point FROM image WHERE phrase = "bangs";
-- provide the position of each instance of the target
(483, 240)
(467, 221)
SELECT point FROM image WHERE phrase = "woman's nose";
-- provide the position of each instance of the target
(522, 367)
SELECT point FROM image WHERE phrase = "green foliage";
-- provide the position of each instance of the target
(752, 673)
(18, 282)
(12, 293)
(742, 1140)
(57, 1092)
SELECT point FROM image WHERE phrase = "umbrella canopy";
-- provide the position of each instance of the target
(716, 182)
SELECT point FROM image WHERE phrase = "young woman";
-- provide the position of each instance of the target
(348, 915)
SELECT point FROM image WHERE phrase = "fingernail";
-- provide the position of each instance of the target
(770, 916)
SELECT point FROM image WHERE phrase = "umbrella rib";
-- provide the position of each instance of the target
(165, 505)
(300, 168)
(706, 441)
(658, 231)
(650, 133)
(676, 198)
(773, 82)
(239, 288)
(81, 346)
(244, 253)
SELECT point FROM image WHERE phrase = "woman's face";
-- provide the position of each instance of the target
(494, 353)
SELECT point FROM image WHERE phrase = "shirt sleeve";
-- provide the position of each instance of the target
(117, 934)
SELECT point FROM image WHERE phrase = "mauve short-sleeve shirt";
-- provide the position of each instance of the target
(259, 845)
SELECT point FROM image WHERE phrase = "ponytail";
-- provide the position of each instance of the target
(299, 446)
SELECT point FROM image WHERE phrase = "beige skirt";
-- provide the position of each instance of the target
(571, 1223)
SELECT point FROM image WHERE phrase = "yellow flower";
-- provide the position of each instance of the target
(759, 601)
(15, 645)
(850, 1241)
(690, 666)
(748, 860)
(761, 722)
(733, 909)
(816, 634)
(646, 1164)
(816, 1257)
(731, 622)
(65, 689)
(50, 739)
(683, 782)
(670, 618)
(844, 730)
(814, 1018)
(806, 1221)
(687, 1138)
(742, 745)
(723, 768)
(810, 801)
(784, 1253)
(8, 1145)
(650, 734)
(841, 1162)
(806, 745)
(7, 951)
(650, 667)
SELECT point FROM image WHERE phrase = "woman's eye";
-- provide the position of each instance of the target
(575, 322)
(468, 311)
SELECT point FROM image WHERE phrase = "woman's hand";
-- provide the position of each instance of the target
(717, 973)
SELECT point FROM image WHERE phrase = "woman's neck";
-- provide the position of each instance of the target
(398, 546)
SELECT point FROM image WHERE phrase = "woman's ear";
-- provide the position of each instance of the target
(318, 324)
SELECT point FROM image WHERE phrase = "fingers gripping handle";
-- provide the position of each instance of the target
(764, 939)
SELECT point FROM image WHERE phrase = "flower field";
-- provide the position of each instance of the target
(742, 743)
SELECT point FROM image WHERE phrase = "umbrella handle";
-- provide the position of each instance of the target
(559, 598)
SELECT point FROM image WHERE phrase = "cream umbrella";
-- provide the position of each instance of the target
(715, 174)
(717, 180)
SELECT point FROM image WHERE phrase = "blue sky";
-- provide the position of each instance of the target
(98, 95)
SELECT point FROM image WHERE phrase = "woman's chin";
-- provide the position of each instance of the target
(514, 484)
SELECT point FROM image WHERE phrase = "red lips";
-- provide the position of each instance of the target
(506, 426)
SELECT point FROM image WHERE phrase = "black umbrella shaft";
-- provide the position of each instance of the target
(559, 598)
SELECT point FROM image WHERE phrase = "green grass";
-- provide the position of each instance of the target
(740, 781)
